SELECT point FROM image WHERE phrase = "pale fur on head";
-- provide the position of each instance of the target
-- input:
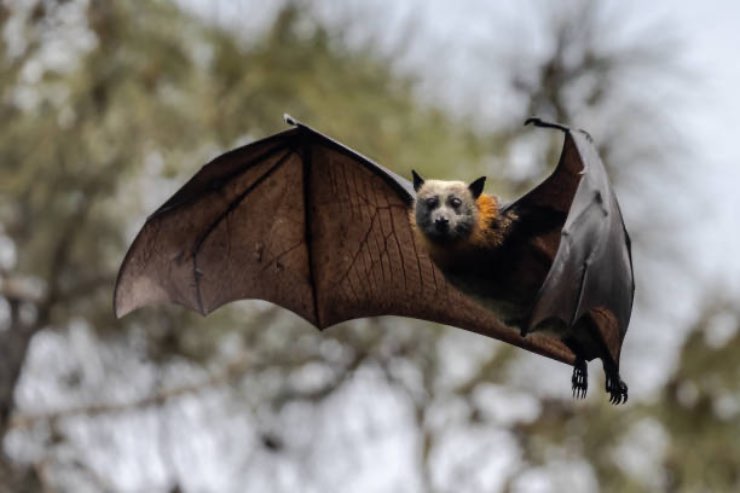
(445, 211)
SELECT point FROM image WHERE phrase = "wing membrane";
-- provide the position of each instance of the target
(304, 222)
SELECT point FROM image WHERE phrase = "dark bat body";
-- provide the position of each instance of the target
(556, 261)
(339, 245)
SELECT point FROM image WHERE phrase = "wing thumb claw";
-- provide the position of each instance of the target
(539, 122)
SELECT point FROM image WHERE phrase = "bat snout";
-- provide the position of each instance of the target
(442, 224)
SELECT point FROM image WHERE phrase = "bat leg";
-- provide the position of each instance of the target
(616, 388)
(580, 368)
(580, 378)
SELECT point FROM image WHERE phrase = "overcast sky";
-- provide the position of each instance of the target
(712, 31)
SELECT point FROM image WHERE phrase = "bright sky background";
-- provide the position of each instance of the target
(712, 32)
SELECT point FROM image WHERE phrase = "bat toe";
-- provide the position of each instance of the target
(617, 389)
(580, 379)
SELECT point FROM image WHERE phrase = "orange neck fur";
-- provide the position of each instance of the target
(484, 235)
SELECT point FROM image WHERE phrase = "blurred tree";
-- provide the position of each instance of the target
(107, 106)
(700, 406)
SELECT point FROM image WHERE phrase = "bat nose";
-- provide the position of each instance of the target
(442, 224)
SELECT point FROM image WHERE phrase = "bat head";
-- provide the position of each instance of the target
(446, 211)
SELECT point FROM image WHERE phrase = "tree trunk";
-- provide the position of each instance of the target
(14, 343)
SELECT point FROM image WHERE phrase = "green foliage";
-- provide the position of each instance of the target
(700, 406)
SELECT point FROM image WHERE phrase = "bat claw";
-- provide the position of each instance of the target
(539, 122)
(580, 379)
(587, 135)
(617, 389)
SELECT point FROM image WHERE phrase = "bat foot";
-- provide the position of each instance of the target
(616, 388)
(580, 379)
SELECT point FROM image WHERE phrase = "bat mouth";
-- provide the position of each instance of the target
(441, 226)
(444, 236)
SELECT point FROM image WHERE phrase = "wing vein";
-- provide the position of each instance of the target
(197, 274)
(308, 231)
(222, 180)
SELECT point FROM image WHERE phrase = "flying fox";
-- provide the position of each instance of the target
(348, 238)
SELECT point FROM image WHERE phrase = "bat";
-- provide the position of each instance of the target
(302, 221)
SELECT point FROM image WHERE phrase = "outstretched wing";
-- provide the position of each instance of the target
(304, 222)
(591, 273)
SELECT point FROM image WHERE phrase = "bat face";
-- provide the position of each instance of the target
(445, 211)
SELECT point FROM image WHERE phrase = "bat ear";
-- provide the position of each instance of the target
(476, 187)
(418, 180)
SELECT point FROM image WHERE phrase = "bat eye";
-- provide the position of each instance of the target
(455, 202)
(432, 202)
